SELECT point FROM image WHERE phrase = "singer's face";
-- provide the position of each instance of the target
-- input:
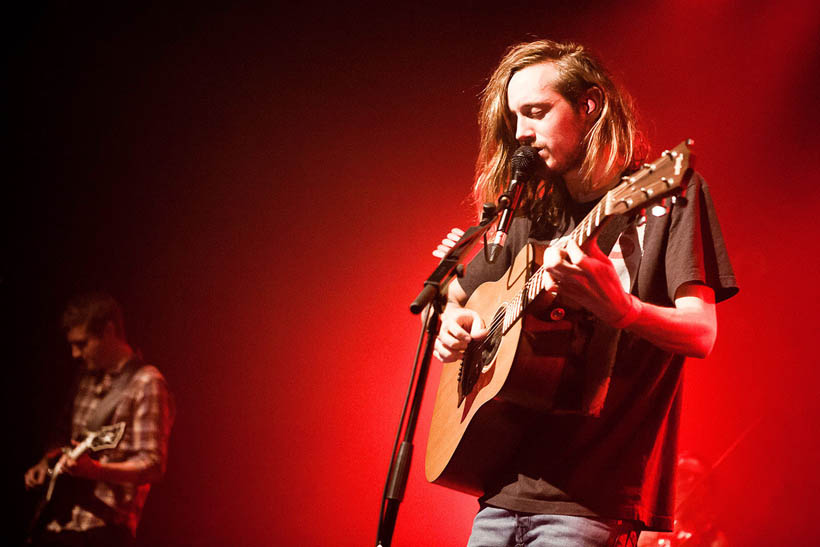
(545, 120)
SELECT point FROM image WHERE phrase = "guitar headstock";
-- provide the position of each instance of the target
(654, 181)
(108, 436)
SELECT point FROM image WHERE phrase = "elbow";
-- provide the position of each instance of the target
(701, 350)
(153, 475)
(151, 469)
(703, 342)
(155, 472)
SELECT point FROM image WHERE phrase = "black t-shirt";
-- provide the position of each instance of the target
(620, 463)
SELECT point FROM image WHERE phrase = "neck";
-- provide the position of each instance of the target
(586, 189)
(121, 353)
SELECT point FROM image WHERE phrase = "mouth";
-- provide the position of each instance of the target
(545, 156)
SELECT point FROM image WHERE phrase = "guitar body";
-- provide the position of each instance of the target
(59, 504)
(483, 400)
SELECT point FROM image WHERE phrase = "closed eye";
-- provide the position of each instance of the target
(535, 111)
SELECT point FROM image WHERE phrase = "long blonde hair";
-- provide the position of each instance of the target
(614, 138)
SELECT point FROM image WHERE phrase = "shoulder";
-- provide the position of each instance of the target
(695, 181)
(148, 373)
(149, 378)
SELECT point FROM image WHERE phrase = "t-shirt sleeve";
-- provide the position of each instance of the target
(153, 417)
(479, 271)
(695, 251)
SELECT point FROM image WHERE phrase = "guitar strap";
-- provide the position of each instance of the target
(611, 231)
(106, 407)
(601, 339)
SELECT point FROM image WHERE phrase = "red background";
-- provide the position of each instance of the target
(262, 190)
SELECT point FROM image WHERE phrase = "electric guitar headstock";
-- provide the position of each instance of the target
(108, 436)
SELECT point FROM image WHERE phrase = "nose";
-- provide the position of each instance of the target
(524, 132)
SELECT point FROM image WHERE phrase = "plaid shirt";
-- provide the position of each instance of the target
(147, 408)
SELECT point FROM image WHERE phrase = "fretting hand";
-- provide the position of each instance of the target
(588, 279)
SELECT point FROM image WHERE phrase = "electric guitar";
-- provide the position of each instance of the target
(483, 399)
(108, 436)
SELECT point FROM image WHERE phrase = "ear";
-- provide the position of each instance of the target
(592, 101)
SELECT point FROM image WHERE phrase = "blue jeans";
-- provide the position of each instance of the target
(494, 527)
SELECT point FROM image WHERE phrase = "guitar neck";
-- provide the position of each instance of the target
(74, 453)
(80, 449)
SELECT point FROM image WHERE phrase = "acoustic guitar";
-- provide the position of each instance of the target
(515, 371)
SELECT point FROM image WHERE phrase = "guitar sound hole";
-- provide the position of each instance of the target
(478, 356)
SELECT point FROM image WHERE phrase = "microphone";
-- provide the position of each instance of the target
(522, 165)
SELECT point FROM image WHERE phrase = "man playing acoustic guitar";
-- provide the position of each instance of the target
(598, 467)
(116, 388)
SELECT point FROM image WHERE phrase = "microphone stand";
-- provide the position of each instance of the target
(431, 300)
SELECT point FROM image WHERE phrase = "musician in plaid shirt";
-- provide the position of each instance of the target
(120, 477)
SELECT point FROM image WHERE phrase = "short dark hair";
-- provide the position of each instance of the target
(94, 310)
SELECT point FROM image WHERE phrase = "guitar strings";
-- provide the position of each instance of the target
(498, 319)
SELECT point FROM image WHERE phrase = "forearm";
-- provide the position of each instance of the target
(456, 297)
(141, 469)
(687, 330)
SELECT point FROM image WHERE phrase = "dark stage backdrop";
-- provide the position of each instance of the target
(262, 190)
